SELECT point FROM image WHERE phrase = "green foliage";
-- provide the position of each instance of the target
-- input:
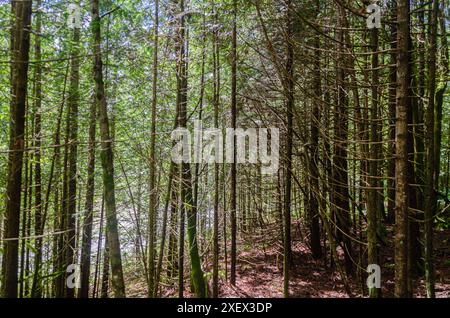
(442, 223)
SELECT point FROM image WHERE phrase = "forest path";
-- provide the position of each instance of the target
(260, 274)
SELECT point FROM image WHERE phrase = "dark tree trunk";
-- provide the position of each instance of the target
(372, 195)
(432, 172)
(340, 166)
(233, 186)
(401, 147)
(36, 289)
(289, 98)
(216, 79)
(20, 34)
(72, 104)
(316, 248)
(392, 106)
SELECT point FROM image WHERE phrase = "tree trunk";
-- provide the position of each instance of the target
(105, 273)
(72, 104)
(88, 208)
(401, 147)
(372, 195)
(233, 187)
(36, 289)
(187, 206)
(216, 101)
(316, 248)
(153, 189)
(20, 34)
(289, 99)
(164, 227)
(107, 160)
(392, 106)
(432, 173)
(99, 246)
(340, 166)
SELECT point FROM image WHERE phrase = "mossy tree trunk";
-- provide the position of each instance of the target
(106, 155)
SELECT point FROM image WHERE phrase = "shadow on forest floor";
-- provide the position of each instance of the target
(260, 271)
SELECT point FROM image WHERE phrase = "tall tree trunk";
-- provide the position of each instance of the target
(28, 228)
(107, 160)
(187, 206)
(316, 248)
(181, 74)
(233, 187)
(172, 265)
(72, 104)
(372, 195)
(23, 245)
(63, 240)
(53, 187)
(36, 289)
(57, 213)
(198, 167)
(88, 208)
(432, 173)
(401, 147)
(440, 91)
(439, 95)
(164, 227)
(20, 34)
(224, 216)
(340, 166)
(392, 106)
(289, 99)
(416, 151)
(216, 101)
(153, 189)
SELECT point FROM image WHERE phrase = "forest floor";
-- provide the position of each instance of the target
(260, 272)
